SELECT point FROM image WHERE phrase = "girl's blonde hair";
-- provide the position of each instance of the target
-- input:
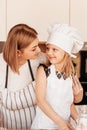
(19, 37)
(68, 66)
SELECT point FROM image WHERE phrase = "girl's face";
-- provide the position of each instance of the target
(30, 52)
(54, 54)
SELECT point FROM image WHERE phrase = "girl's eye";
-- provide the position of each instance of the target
(55, 49)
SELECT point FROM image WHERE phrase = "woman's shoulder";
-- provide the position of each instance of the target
(2, 65)
(2, 70)
(2, 61)
(1, 56)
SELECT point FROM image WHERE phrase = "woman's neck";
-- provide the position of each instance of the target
(22, 62)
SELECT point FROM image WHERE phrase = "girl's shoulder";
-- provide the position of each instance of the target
(46, 69)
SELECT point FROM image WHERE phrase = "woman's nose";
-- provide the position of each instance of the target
(38, 49)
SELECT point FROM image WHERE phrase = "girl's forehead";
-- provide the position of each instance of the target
(53, 46)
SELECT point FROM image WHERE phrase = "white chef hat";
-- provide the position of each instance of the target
(66, 38)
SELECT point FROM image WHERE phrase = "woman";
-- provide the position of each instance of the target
(18, 63)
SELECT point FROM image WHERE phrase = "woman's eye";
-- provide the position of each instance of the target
(47, 49)
(34, 49)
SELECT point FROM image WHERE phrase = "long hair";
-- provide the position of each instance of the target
(67, 65)
(19, 37)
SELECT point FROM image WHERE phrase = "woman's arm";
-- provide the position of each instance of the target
(44, 105)
(77, 89)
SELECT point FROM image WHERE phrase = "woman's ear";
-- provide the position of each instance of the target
(19, 53)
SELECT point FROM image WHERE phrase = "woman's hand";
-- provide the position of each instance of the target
(77, 89)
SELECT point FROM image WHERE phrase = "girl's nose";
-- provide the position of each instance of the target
(49, 52)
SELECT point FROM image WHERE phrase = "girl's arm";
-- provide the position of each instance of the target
(43, 103)
(74, 113)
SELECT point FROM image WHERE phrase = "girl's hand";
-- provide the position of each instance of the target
(70, 126)
(64, 125)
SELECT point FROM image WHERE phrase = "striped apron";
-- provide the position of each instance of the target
(19, 108)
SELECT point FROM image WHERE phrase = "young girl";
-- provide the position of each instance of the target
(54, 83)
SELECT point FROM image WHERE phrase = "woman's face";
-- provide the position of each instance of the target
(54, 54)
(30, 52)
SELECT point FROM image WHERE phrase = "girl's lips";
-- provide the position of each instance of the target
(51, 57)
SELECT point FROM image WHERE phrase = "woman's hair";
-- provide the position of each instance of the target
(19, 37)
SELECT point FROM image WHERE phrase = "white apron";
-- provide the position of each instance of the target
(60, 96)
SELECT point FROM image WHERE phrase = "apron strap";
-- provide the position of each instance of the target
(6, 81)
(32, 76)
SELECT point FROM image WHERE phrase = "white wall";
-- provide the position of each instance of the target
(37, 13)
(78, 16)
(41, 13)
(3, 20)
